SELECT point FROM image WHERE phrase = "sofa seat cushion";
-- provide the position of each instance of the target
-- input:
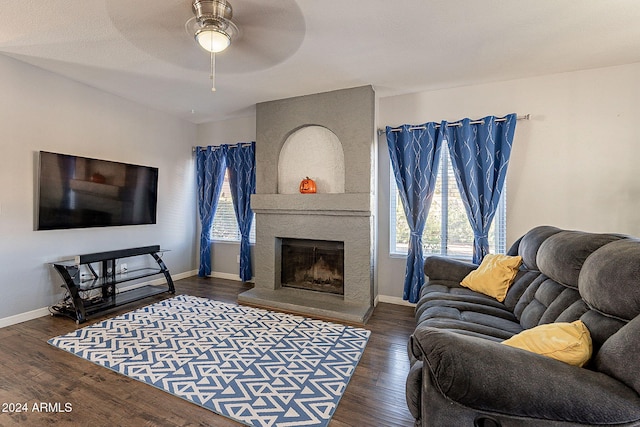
(470, 322)
(464, 306)
(448, 305)
(437, 293)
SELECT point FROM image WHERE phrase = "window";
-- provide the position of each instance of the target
(447, 231)
(225, 226)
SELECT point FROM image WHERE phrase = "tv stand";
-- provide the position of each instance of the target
(95, 292)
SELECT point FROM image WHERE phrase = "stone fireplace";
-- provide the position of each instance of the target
(340, 157)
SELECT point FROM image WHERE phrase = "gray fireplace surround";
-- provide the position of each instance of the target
(342, 217)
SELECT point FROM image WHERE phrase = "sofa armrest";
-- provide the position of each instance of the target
(491, 377)
(443, 268)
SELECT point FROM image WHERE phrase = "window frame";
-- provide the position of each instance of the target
(499, 220)
(216, 238)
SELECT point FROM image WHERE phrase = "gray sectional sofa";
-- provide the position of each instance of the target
(461, 374)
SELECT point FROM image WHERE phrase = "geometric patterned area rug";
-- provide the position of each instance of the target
(258, 367)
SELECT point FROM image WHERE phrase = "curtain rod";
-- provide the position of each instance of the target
(458, 123)
(242, 144)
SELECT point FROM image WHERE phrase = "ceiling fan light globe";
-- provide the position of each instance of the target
(212, 39)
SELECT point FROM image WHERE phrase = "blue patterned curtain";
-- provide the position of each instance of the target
(480, 156)
(210, 168)
(414, 152)
(241, 161)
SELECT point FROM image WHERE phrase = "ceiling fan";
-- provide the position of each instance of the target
(212, 28)
(259, 34)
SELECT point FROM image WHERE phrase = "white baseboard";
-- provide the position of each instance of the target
(34, 314)
(393, 300)
(23, 317)
(184, 275)
(227, 276)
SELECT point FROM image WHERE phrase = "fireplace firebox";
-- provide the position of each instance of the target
(315, 265)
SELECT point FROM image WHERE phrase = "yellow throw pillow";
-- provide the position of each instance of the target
(568, 342)
(494, 275)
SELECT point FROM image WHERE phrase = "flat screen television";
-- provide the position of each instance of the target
(79, 192)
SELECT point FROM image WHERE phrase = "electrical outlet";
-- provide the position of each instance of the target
(238, 259)
(123, 268)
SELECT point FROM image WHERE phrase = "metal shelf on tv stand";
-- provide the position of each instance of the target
(81, 303)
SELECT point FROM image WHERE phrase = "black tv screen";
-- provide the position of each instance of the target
(79, 192)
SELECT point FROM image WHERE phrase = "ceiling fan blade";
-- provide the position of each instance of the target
(270, 32)
(258, 51)
(275, 13)
(158, 30)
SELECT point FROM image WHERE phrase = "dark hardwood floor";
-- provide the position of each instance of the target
(33, 373)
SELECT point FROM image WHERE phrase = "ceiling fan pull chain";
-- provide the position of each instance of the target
(213, 72)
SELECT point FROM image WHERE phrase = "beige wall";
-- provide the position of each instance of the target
(573, 165)
(42, 111)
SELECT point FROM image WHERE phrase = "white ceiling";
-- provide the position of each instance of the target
(139, 49)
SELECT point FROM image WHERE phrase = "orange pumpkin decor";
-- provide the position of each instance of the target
(307, 186)
(98, 178)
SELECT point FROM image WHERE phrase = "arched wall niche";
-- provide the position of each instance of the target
(311, 151)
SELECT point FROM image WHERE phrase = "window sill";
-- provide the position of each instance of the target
(231, 242)
(399, 255)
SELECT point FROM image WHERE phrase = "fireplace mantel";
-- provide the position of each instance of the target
(357, 204)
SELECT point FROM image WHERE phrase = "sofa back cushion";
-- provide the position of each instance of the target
(559, 257)
(527, 248)
(618, 356)
(546, 301)
(610, 279)
(609, 284)
(562, 255)
(530, 244)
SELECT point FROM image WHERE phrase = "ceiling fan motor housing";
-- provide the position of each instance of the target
(212, 12)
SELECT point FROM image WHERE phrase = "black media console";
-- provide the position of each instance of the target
(97, 292)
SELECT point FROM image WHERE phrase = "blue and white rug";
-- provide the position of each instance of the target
(258, 367)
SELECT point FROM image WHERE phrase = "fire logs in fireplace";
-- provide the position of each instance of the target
(316, 265)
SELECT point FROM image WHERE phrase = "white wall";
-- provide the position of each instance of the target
(224, 255)
(581, 143)
(42, 111)
(573, 165)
